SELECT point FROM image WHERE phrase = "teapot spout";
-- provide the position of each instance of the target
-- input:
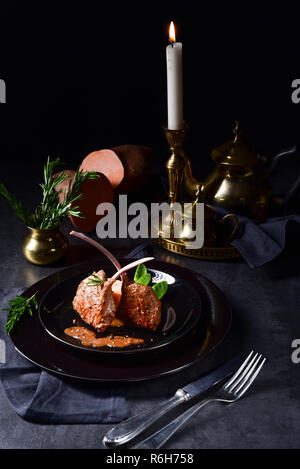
(191, 184)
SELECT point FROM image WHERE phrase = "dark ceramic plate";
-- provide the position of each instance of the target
(181, 308)
(35, 344)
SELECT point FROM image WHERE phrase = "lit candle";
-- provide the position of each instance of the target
(174, 81)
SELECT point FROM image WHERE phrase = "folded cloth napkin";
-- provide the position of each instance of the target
(41, 397)
(259, 243)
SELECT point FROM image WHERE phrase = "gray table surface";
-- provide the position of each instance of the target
(266, 312)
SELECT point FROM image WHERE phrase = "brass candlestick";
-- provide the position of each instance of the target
(176, 163)
(179, 171)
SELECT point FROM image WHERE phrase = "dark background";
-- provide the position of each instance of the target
(90, 75)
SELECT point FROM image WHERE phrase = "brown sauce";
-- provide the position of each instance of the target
(116, 322)
(88, 337)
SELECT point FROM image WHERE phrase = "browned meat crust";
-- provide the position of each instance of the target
(95, 304)
(140, 306)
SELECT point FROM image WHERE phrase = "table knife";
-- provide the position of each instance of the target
(130, 428)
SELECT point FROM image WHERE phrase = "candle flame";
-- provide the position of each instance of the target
(172, 36)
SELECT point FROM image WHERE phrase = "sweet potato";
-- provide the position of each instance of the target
(94, 192)
(106, 162)
(126, 166)
(137, 162)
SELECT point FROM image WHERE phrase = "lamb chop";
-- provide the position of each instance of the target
(95, 300)
(139, 304)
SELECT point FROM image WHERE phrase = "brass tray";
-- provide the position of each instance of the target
(213, 253)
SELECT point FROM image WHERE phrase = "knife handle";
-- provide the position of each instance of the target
(130, 428)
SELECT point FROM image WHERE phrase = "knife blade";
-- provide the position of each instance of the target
(132, 427)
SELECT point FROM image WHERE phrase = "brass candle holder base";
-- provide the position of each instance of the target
(211, 253)
(216, 243)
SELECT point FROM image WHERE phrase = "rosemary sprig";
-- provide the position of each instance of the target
(50, 212)
(95, 281)
(15, 204)
(19, 308)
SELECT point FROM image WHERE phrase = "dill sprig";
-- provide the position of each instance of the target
(19, 308)
(50, 212)
(95, 281)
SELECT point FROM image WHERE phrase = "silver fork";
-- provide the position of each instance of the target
(230, 392)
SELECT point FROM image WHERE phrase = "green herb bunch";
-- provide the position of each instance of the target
(19, 307)
(51, 211)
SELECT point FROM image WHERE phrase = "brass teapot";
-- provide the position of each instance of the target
(240, 181)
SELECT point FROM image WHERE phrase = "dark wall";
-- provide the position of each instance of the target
(89, 75)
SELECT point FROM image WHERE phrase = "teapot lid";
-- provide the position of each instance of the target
(236, 152)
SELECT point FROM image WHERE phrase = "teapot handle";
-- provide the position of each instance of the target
(235, 221)
(296, 185)
(277, 158)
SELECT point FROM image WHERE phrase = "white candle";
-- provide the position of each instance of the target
(174, 82)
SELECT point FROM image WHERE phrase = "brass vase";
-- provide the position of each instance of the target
(44, 247)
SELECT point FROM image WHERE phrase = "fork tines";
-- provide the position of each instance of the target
(245, 375)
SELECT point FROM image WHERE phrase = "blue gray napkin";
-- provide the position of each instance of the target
(39, 396)
(259, 243)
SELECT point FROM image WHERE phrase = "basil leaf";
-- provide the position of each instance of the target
(141, 275)
(160, 289)
(141, 271)
(146, 279)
